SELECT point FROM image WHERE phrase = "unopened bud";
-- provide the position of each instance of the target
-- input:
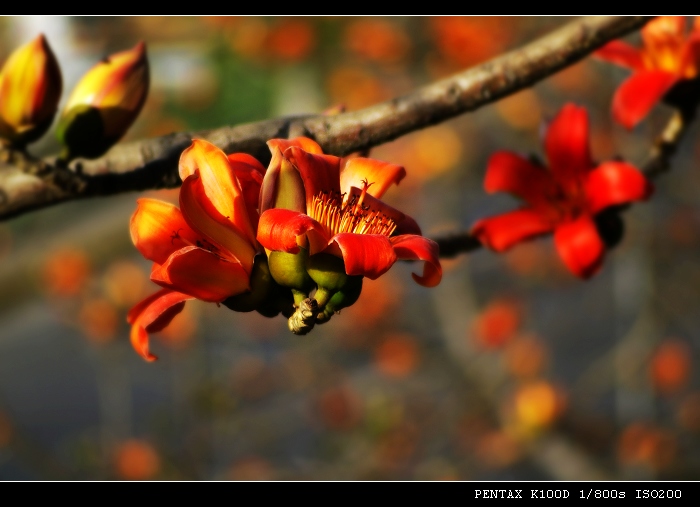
(30, 89)
(104, 104)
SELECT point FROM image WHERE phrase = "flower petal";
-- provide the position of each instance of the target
(320, 173)
(287, 230)
(202, 274)
(418, 248)
(152, 315)
(304, 143)
(501, 232)
(580, 246)
(220, 185)
(621, 53)
(282, 186)
(690, 56)
(380, 175)
(508, 172)
(614, 183)
(567, 147)
(369, 255)
(201, 215)
(249, 173)
(635, 97)
(158, 229)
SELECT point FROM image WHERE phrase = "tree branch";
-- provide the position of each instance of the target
(27, 184)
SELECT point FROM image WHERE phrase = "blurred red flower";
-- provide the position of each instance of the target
(669, 55)
(563, 199)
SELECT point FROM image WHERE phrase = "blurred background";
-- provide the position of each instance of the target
(510, 369)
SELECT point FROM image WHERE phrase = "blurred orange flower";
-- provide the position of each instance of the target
(497, 323)
(397, 355)
(65, 271)
(136, 460)
(669, 368)
(291, 39)
(377, 39)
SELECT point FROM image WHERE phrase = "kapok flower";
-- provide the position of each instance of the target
(104, 104)
(564, 199)
(30, 88)
(206, 249)
(325, 227)
(669, 56)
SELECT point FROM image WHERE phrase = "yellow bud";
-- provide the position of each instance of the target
(105, 103)
(30, 88)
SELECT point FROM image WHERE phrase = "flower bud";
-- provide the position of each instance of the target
(104, 104)
(30, 88)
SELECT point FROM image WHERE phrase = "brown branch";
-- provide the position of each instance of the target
(152, 163)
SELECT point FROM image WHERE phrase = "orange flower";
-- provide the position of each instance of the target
(669, 56)
(321, 230)
(30, 88)
(204, 250)
(104, 104)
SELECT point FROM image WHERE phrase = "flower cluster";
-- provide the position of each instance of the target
(100, 109)
(296, 238)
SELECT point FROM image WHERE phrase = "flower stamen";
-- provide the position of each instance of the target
(339, 213)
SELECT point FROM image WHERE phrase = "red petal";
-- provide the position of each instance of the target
(508, 172)
(418, 248)
(615, 183)
(320, 173)
(567, 147)
(287, 230)
(690, 57)
(501, 232)
(203, 217)
(369, 255)
(635, 97)
(219, 182)
(202, 274)
(580, 246)
(158, 229)
(376, 172)
(622, 54)
(152, 315)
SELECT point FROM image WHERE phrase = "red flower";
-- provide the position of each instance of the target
(669, 56)
(205, 249)
(564, 199)
(308, 202)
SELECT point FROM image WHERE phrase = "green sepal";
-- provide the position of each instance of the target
(347, 296)
(328, 271)
(289, 270)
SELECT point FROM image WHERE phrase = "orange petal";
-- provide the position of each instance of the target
(152, 315)
(417, 248)
(304, 143)
(219, 182)
(158, 229)
(249, 172)
(201, 215)
(580, 247)
(376, 172)
(282, 186)
(202, 274)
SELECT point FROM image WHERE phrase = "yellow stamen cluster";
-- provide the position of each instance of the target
(338, 214)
